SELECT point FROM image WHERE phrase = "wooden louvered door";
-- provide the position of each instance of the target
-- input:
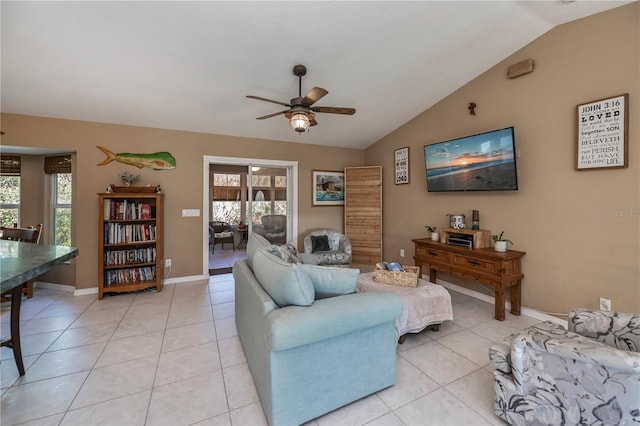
(363, 213)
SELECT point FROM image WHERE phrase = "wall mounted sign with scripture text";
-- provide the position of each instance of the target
(603, 133)
(401, 160)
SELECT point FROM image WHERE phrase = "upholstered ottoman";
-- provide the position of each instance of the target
(426, 305)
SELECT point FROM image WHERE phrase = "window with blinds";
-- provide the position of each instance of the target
(10, 168)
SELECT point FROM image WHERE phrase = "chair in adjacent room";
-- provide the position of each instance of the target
(220, 233)
(28, 235)
(274, 228)
(589, 374)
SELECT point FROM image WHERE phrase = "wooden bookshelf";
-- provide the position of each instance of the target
(130, 242)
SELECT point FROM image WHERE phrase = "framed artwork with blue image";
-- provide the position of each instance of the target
(327, 188)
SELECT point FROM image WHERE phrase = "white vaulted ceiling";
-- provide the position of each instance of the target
(189, 65)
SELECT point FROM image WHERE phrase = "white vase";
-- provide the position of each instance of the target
(500, 246)
(435, 236)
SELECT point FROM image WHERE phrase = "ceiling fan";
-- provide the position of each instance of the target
(301, 113)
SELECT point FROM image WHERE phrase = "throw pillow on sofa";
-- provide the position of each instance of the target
(255, 242)
(319, 243)
(332, 281)
(286, 252)
(286, 283)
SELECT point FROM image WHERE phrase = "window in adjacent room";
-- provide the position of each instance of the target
(226, 204)
(59, 167)
(9, 190)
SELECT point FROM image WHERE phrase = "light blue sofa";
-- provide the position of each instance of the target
(309, 356)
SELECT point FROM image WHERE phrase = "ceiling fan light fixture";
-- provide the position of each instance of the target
(300, 122)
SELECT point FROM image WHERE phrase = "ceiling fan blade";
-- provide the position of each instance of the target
(313, 122)
(268, 100)
(334, 110)
(272, 115)
(313, 96)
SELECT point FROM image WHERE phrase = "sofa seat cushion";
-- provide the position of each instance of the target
(286, 283)
(225, 234)
(500, 351)
(332, 257)
(332, 281)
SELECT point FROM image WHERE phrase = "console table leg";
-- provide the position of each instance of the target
(432, 275)
(515, 299)
(500, 302)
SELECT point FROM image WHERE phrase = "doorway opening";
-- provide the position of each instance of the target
(241, 196)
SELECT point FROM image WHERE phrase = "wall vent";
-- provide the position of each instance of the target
(521, 68)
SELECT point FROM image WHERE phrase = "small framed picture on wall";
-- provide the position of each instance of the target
(327, 188)
(401, 161)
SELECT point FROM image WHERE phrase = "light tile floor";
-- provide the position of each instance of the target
(174, 358)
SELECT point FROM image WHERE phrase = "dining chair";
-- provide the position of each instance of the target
(28, 235)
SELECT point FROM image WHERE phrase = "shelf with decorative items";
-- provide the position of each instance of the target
(128, 181)
(130, 249)
(479, 238)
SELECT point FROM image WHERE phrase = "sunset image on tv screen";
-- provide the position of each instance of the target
(482, 162)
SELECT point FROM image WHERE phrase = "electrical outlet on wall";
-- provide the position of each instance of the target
(401, 252)
(605, 304)
(167, 263)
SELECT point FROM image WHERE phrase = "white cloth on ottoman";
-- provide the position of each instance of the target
(423, 305)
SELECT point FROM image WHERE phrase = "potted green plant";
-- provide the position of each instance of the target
(500, 243)
(128, 179)
(435, 236)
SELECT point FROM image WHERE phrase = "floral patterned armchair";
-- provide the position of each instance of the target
(546, 375)
(327, 247)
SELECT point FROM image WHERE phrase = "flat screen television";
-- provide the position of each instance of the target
(482, 162)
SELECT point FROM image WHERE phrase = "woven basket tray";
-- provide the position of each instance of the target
(408, 278)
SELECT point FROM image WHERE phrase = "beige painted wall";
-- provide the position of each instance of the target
(34, 190)
(182, 186)
(576, 250)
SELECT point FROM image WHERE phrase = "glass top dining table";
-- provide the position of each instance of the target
(19, 263)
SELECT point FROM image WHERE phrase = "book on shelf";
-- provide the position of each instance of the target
(126, 210)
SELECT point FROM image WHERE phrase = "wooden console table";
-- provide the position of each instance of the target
(501, 270)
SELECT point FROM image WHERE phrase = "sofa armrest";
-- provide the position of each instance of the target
(345, 245)
(570, 380)
(301, 325)
(532, 355)
(617, 329)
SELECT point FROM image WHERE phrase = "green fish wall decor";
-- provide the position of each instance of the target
(156, 161)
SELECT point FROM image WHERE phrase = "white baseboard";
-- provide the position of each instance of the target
(185, 279)
(94, 290)
(54, 286)
(85, 291)
(490, 299)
